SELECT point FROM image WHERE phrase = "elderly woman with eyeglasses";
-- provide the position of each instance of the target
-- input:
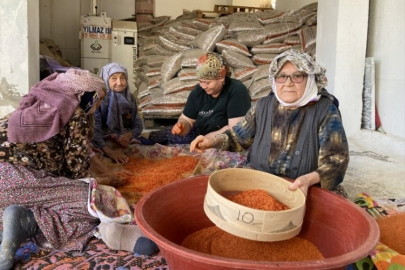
(295, 132)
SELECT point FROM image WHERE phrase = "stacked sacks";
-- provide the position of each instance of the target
(169, 50)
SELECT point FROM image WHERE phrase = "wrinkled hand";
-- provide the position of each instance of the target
(112, 179)
(302, 183)
(116, 156)
(125, 139)
(178, 128)
(201, 143)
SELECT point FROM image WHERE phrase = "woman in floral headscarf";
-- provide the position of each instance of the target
(217, 103)
(296, 131)
(117, 118)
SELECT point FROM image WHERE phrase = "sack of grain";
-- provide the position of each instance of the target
(263, 59)
(160, 19)
(191, 56)
(189, 29)
(153, 71)
(262, 72)
(172, 46)
(237, 60)
(279, 29)
(233, 44)
(307, 37)
(248, 83)
(244, 21)
(179, 34)
(276, 48)
(176, 85)
(251, 38)
(260, 95)
(259, 86)
(152, 110)
(312, 20)
(154, 82)
(177, 99)
(208, 39)
(187, 74)
(170, 67)
(243, 74)
(158, 50)
(155, 60)
(279, 39)
(293, 40)
(202, 24)
(270, 16)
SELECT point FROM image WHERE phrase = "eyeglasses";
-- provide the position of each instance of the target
(295, 78)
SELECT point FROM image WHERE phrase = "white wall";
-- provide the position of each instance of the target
(285, 5)
(116, 9)
(386, 43)
(252, 3)
(60, 21)
(174, 8)
(341, 49)
(19, 51)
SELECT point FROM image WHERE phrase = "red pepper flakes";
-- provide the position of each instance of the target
(257, 199)
(214, 241)
(392, 232)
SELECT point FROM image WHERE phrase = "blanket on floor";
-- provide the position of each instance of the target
(98, 256)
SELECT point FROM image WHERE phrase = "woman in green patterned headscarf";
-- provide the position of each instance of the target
(216, 103)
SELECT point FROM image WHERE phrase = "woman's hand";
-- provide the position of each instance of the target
(116, 156)
(112, 179)
(108, 173)
(178, 128)
(201, 143)
(125, 139)
(305, 181)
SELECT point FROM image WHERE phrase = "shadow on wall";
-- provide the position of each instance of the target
(9, 94)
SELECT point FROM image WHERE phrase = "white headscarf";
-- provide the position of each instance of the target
(303, 62)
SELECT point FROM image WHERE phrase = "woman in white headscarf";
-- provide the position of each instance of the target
(117, 118)
(296, 131)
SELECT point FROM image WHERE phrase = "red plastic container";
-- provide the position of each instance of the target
(341, 230)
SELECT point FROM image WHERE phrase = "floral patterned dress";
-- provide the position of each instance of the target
(45, 178)
(65, 154)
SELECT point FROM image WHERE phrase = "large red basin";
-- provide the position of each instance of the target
(341, 230)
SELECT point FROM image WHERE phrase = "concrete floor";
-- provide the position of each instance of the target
(377, 166)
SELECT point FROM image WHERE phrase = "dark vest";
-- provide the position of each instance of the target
(305, 159)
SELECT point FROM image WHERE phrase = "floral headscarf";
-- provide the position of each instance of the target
(303, 62)
(211, 66)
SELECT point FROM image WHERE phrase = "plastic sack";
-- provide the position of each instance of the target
(233, 44)
(170, 67)
(207, 40)
(237, 60)
(176, 85)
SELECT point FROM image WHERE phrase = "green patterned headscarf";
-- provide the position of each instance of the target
(303, 62)
(211, 66)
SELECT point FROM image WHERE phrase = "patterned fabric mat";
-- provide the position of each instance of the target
(98, 256)
(382, 257)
